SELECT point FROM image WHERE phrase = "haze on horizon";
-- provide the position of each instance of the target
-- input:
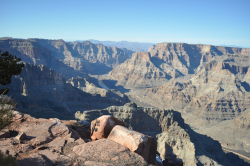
(216, 22)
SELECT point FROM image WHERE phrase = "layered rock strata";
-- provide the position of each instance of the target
(67, 58)
(166, 61)
(42, 92)
(219, 91)
(140, 72)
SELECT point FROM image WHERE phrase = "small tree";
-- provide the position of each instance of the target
(6, 117)
(6, 113)
(9, 66)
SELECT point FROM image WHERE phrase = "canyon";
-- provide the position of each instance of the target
(200, 93)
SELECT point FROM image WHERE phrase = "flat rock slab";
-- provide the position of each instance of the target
(107, 151)
(137, 142)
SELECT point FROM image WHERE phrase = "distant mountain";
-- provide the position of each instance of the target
(133, 46)
(67, 58)
(166, 61)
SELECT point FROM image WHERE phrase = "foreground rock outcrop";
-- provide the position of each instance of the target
(51, 142)
(176, 141)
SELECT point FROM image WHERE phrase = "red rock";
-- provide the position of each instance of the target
(139, 143)
(43, 127)
(107, 151)
(102, 126)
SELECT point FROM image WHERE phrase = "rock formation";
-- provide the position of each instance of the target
(102, 126)
(67, 58)
(165, 61)
(42, 92)
(219, 91)
(177, 142)
(142, 144)
(140, 72)
(51, 142)
(187, 57)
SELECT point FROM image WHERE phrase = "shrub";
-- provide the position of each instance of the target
(6, 116)
(6, 111)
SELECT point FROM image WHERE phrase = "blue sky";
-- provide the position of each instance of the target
(216, 22)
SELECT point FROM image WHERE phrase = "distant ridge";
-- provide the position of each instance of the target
(133, 46)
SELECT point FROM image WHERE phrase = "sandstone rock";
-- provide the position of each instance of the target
(42, 127)
(139, 143)
(105, 150)
(102, 126)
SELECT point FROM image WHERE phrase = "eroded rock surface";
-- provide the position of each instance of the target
(177, 142)
(51, 142)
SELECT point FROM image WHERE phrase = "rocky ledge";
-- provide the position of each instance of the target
(62, 143)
